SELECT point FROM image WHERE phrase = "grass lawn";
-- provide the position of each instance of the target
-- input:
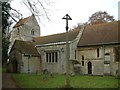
(39, 81)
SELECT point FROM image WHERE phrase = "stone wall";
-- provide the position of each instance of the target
(60, 47)
(34, 63)
(15, 56)
(54, 67)
(90, 55)
(30, 64)
(99, 67)
(23, 32)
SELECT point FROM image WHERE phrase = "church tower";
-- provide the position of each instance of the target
(25, 29)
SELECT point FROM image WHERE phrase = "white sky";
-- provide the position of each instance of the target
(79, 10)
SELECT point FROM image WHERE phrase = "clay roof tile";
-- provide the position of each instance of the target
(21, 22)
(99, 34)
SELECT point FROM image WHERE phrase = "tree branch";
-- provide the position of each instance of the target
(10, 15)
(15, 11)
(44, 10)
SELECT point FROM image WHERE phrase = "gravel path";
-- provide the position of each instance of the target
(8, 81)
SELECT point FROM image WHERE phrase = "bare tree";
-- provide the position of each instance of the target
(100, 17)
(38, 7)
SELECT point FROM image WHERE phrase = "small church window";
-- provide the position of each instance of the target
(116, 51)
(56, 56)
(46, 57)
(52, 57)
(98, 52)
(32, 32)
(18, 31)
(82, 60)
(107, 53)
(107, 58)
(49, 57)
(75, 54)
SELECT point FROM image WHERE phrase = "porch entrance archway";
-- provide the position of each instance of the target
(89, 68)
(15, 66)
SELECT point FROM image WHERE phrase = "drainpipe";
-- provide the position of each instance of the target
(103, 51)
(28, 63)
(110, 63)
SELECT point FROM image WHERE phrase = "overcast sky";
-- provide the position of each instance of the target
(79, 10)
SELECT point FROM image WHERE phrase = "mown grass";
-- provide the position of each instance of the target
(42, 81)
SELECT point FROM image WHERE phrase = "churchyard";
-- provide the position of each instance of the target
(58, 81)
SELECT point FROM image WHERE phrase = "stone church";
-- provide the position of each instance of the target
(21, 49)
(25, 29)
(93, 49)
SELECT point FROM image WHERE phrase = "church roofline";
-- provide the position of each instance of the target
(21, 21)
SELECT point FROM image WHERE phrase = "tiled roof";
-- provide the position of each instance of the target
(25, 47)
(99, 34)
(21, 22)
(56, 37)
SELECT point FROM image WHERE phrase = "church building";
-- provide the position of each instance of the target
(25, 29)
(93, 49)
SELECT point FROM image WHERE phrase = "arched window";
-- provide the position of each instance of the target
(98, 52)
(82, 60)
(32, 32)
(117, 54)
(107, 53)
(18, 31)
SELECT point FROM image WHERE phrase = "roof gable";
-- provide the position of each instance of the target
(21, 22)
(56, 37)
(25, 47)
(105, 33)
